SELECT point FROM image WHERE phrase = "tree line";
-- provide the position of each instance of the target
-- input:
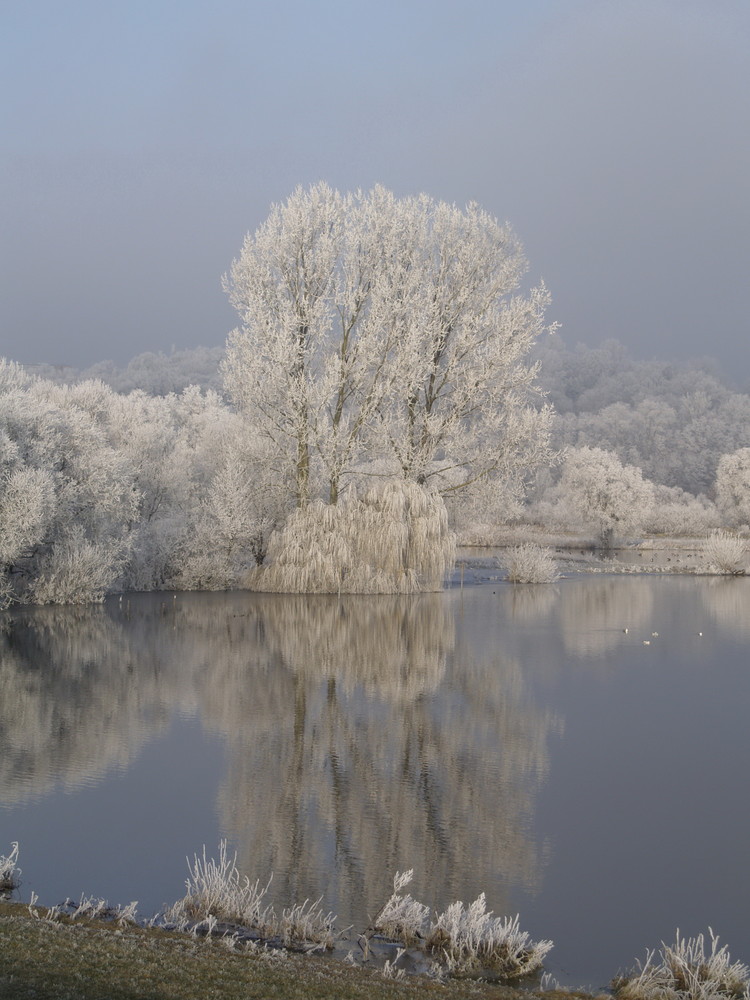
(382, 340)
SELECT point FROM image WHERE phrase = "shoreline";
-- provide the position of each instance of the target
(66, 959)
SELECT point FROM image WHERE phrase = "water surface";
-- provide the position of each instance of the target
(537, 743)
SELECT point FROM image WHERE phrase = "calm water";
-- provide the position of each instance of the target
(511, 740)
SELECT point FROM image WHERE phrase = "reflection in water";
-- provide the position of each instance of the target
(361, 739)
(531, 601)
(69, 710)
(595, 613)
(368, 759)
(364, 735)
(728, 601)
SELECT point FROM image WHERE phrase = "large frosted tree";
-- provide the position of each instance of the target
(386, 336)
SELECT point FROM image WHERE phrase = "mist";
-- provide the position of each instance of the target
(143, 141)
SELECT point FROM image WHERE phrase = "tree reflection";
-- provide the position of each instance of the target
(727, 599)
(378, 745)
(363, 736)
(594, 614)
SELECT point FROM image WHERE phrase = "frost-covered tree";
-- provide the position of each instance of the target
(382, 328)
(599, 490)
(733, 487)
(393, 540)
(66, 497)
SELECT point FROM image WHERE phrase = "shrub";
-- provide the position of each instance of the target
(724, 552)
(470, 939)
(401, 917)
(466, 939)
(530, 563)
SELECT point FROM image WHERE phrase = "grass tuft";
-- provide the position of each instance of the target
(10, 873)
(686, 971)
(725, 553)
(467, 940)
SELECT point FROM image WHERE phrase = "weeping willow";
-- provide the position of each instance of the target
(393, 540)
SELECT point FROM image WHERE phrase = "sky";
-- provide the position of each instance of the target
(142, 140)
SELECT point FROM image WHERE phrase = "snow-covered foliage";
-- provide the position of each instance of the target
(686, 970)
(9, 870)
(100, 492)
(470, 939)
(377, 327)
(597, 490)
(675, 512)
(402, 918)
(392, 540)
(733, 487)
(216, 892)
(154, 373)
(673, 421)
(467, 939)
(725, 552)
(531, 563)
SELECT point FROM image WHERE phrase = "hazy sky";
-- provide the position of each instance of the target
(141, 140)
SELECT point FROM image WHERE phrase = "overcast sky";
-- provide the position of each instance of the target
(142, 139)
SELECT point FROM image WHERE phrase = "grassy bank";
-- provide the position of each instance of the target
(92, 960)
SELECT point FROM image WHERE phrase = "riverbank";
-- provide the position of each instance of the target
(94, 960)
(482, 559)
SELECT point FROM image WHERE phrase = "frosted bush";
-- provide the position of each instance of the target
(307, 924)
(217, 892)
(675, 512)
(725, 553)
(216, 888)
(470, 939)
(401, 917)
(78, 570)
(9, 871)
(686, 971)
(394, 540)
(465, 939)
(530, 563)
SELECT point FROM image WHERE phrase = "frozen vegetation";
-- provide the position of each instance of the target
(686, 970)
(466, 939)
(460, 941)
(530, 563)
(10, 873)
(389, 384)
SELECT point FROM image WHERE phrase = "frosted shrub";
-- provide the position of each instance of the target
(530, 563)
(394, 540)
(9, 871)
(686, 971)
(307, 924)
(470, 939)
(733, 487)
(402, 918)
(465, 939)
(216, 888)
(217, 892)
(675, 512)
(724, 553)
(78, 570)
